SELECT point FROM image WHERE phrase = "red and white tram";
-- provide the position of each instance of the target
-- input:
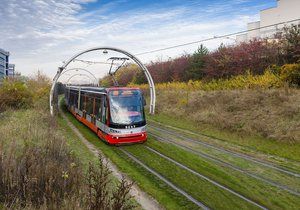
(115, 114)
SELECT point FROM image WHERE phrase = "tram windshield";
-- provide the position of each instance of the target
(126, 107)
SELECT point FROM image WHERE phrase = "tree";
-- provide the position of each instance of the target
(291, 44)
(197, 64)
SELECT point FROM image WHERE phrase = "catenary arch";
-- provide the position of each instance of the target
(75, 75)
(80, 70)
(134, 58)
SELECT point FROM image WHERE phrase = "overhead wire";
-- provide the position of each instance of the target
(216, 37)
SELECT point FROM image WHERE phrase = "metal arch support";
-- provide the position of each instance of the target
(140, 64)
(78, 75)
(80, 69)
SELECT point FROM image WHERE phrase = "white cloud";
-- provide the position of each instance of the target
(43, 33)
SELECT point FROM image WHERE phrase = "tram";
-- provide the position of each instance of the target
(115, 114)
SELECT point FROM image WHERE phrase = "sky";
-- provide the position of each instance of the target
(41, 34)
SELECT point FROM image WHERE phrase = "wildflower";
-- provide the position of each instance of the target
(65, 175)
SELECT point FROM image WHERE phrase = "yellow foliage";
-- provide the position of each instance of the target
(290, 73)
(247, 81)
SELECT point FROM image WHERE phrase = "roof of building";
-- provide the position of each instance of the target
(4, 52)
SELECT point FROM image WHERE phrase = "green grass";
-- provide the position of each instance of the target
(200, 189)
(78, 148)
(252, 188)
(249, 143)
(249, 166)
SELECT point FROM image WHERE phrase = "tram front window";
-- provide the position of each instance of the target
(126, 107)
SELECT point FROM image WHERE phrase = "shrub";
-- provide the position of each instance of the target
(15, 94)
(246, 81)
(290, 44)
(290, 73)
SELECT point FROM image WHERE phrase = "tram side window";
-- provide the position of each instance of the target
(89, 105)
(98, 107)
(70, 99)
(104, 110)
(75, 99)
(82, 101)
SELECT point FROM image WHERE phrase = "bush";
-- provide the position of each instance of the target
(15, 94)
(246, 81)
(290, 73)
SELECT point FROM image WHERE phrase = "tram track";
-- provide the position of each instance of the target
(231, 166)
(206, 178)
(182, 192)
(166, 181)
(236, 154)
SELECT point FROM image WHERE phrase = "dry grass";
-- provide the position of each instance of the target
(38, 170)
(271, 113)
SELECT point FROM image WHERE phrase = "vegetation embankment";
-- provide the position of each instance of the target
(40, 165)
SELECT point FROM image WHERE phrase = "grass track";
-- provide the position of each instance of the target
(200, 189)
(258, 191)
(269, 175)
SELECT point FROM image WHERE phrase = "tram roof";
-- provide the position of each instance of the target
(100, 90)
(88, 88)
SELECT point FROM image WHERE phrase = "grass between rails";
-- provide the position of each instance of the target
(166, 196)
(200, 189)
(249, 167)
(248, 143)
(254, 189)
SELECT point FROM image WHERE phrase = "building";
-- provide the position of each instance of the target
(284, 12)
(6, 69)
(4, 55)
(11, 70)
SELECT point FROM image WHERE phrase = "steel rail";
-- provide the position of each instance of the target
(206, 178)
(228, 165)
(244, 156)
(182, 192)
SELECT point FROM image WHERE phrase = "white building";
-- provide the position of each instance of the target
(284, 12)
